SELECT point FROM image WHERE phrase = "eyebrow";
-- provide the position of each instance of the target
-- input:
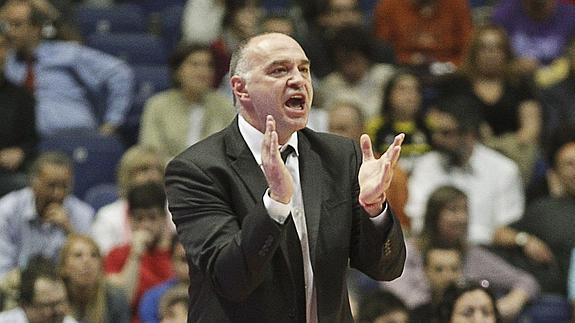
(284, 61)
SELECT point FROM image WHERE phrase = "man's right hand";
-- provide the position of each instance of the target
(279, 180)
(140, 241)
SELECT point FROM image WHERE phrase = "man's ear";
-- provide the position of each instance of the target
(239, 88)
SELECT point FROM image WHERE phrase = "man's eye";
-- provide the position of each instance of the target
(279, 70)
(304, 69)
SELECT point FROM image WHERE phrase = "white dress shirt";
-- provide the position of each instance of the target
(491, 182)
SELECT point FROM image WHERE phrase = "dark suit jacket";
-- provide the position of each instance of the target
(238, 268)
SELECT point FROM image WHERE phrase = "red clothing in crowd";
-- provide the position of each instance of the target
(155, 268)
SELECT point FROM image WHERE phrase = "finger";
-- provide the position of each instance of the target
(366, 149)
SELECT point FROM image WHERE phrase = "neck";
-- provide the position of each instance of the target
(80, 296)
(191, 95)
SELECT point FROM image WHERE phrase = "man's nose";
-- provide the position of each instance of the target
(296, 80)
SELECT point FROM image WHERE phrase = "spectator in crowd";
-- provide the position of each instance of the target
(507, 102)
(202, 21)
(68, 80)
(327, 19)
(443, 266)
(146, 260)
(345, 118)
(538, 29)
(174, 305)
(18, 136)
(43, 297)
(424, 31)
(240, 21)
(179, 117)
(382, 307)
(278, 23)
(541, 241)
(401, 110)
(559, 100)
(37, 219)
(138, 165)
(356, 72)
(490, 180)
(446, 224)
(468, 303)
(91, 298)
(149, 309)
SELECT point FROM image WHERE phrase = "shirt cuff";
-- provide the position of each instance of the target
(381, 217)
(278, 211)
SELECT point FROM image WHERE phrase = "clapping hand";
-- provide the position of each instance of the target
(277, 175)
(375, 174)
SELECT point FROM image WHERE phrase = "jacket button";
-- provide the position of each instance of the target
(291, 313)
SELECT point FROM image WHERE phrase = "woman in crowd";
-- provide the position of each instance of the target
(401, 111)
(446, 223)
(91, 298)
(468, 303)
(511, 112)
(192, 110)
(138, 165)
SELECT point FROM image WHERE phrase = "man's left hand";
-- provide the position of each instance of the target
(375, 174)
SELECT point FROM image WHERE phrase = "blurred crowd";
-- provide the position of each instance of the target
(485, 187)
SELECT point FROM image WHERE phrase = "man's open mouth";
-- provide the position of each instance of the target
(296, 102)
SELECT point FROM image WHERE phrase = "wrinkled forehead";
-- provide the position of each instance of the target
(274, 47)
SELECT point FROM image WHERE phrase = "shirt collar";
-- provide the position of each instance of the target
(253, 138)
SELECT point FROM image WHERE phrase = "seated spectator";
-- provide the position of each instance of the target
(446, 224)
(443, 266)
(382, 307)
(468, 303)
(278, 23)
(401, 110)
(423, 32)
(507, 102)
(179, 117)
(111, 225)
(37, 219)
(202, 20)
(541, 241)
(346, 119)
(145, 261)
(17, 129)
(325, 18)
(149, 309)
(174, 305)
(43, 296)
(71, 83)
(538, 29)
(559, 100)
(356, 72)
(91, 298)
(490, 180)
(240, 21)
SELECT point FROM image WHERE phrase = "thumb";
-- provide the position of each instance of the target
(366, 150)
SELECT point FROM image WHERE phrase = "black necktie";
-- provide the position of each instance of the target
(287, 151)
(295, 256)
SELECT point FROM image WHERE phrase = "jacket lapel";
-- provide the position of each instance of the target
(310, 169)
(243, 163)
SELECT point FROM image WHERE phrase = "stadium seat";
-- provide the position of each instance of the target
(94, 157)
(123, 18)
(548, 308)
(149, 81)
(101, 195)
(134, 48)
(171, 26)
(157, 6)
